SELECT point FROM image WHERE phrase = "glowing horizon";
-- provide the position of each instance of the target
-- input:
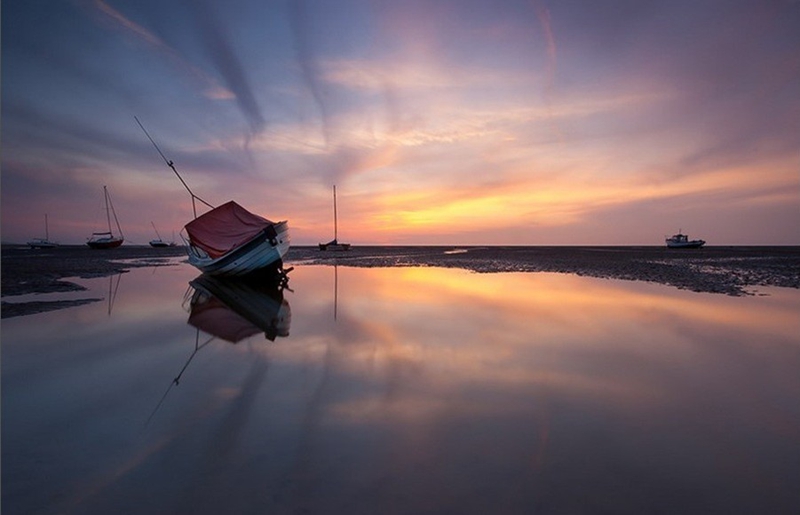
(440, 123)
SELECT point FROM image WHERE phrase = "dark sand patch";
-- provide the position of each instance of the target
(17, 309)
(25, 270)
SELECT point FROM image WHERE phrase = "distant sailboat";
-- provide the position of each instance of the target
(107, 239)
(43, 243)
(334, 243)
(158, 242)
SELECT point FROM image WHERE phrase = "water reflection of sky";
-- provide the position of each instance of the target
(407, 390)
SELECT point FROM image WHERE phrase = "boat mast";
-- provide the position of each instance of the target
(108, 215)
(335, 221)
(108, 202)
(154, 228)
(46, 230)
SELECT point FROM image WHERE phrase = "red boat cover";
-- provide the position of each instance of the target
(224, 228)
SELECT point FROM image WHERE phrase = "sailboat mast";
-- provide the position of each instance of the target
(46, 230)
(108, 215)
(335, 221)
(154, 228)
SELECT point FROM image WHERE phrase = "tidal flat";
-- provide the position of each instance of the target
(406, 380)
(726, 270)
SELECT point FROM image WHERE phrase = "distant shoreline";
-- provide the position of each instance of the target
(729, 270)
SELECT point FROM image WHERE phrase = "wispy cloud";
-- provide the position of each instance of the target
(115, 19)
(228, 64)
(306, 59)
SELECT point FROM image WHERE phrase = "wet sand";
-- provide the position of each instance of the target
(25, 270)
(724, 270)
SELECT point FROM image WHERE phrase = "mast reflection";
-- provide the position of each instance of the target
(233, 309)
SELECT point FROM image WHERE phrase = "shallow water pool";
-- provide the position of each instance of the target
(402, 390)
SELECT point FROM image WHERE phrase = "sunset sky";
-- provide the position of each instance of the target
(523, 122)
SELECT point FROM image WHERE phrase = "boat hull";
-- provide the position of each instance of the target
(105, 244)
(334, 246)
(262, 251)
(42, 244)
(682, 241)
(694, 244)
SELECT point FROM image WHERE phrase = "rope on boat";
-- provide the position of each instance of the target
(172, 165)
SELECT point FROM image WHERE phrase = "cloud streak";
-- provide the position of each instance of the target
(117, 20)
(228, 64)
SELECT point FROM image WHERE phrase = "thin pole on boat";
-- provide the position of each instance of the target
(335, 221)
(108, 214)
(154, 227)
(108, 201)
(46, 230)
(172, 165)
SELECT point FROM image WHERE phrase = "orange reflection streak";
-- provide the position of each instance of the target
(450, 331)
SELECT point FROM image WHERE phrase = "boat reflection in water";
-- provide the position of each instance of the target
(233, 309)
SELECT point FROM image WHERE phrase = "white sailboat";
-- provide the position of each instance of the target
(334, 243)
(43, 243)
(158, 242)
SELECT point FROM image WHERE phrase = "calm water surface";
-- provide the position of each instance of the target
(402, 390)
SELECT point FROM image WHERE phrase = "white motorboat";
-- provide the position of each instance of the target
(682, 241)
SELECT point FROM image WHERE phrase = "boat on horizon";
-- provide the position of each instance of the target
(334, 243)
(158, 242)
(682, 241)
(43, 243)
(229, 240)
(107, 239)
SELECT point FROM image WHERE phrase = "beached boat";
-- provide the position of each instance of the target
(682, 241)
(43, 243)
(230, 240)
(158, 242)
(334, 243)
(107, 239)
